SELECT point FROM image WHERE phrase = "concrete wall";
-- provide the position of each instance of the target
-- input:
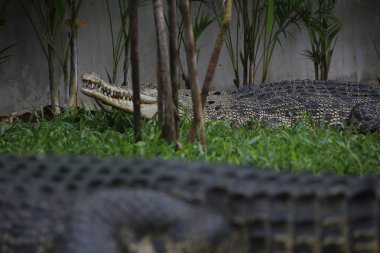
(24, 79)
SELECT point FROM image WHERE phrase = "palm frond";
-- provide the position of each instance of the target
(5, 57)
(201, 24)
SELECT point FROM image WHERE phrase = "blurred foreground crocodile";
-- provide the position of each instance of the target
(61, 204)
(280, 103)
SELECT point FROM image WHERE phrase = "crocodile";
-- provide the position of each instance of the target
(285, 103)
(72, 203)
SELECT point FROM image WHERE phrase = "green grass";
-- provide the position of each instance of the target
(109, 133)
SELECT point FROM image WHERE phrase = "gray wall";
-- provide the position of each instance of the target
(24, 79)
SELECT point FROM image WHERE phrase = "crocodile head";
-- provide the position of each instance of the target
(117, 96)
(217, 106)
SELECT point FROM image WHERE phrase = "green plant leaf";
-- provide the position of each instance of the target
(4, 58)
(60, 8)
(201, 24)
(270, 16)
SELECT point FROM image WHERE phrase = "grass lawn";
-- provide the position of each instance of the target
(109, 133)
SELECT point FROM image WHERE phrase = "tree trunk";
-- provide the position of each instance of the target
(168, 113)
(54, 89)
(264, 76)
(54, 85)
(216, 53)
(133, 28)
(126, 53)
(174, 59)
(214, 60)
(316, 70)
(245, 71)
(193, 73)
(328, 63)
(73, 88)
(124, 16)
(65, 70)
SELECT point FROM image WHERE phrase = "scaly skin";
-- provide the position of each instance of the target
(275, 104)
(75, 204)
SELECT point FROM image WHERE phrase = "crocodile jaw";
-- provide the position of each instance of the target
(147, 110)
(116, 96)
